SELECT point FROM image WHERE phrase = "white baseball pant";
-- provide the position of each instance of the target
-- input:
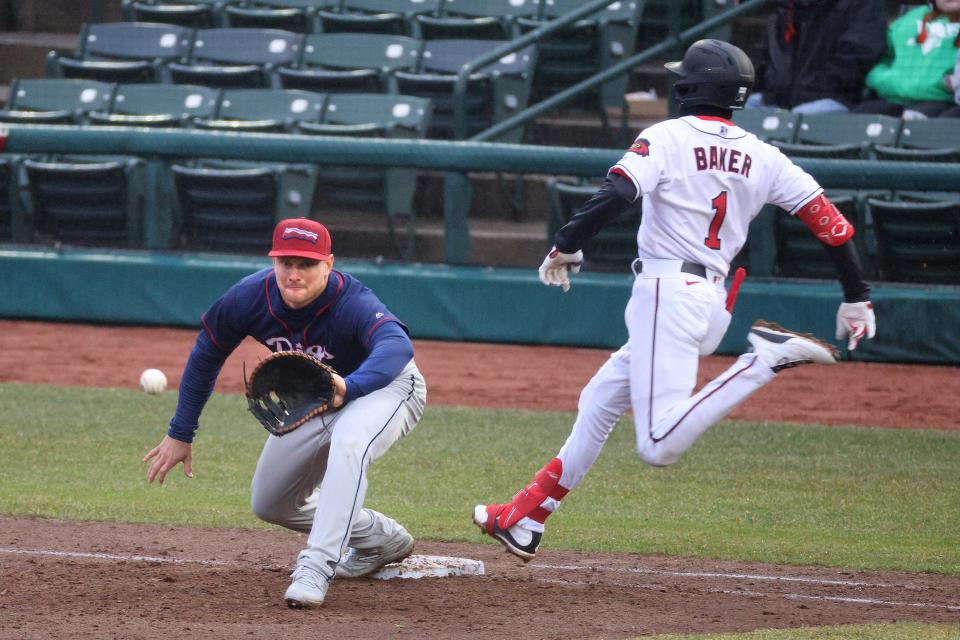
(314, 479)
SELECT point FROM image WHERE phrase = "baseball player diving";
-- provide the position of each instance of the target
(702, 180)
(314, 478)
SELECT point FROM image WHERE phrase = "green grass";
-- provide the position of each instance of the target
(849, 497)
(899, 631)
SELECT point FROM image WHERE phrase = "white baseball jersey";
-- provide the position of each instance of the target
(703, 179)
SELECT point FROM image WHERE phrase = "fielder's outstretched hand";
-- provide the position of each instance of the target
(166, 455)
(855, 320)
(557, 267)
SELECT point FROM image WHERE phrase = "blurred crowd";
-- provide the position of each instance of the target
(818, 56)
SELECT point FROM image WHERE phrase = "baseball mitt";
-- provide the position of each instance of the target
(288, 388)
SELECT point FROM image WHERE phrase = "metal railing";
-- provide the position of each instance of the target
(671, 42)
(455, 158)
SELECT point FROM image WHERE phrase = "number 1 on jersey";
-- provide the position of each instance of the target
(719, 213)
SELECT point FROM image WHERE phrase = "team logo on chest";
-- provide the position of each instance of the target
(641, 147)
(280, 343)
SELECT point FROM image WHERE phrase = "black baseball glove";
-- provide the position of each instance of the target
(288, 388)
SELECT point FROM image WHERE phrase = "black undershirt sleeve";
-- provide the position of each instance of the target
(614, 196)
(849, 272)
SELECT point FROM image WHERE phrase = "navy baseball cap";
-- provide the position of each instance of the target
(300, 238)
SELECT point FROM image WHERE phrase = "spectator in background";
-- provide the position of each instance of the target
(953, 84)
(913, 79)
(814, 54)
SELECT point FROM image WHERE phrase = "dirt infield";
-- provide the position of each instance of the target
(62, 579)
(489, 375)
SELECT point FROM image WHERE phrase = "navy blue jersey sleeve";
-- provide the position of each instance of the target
(225, 321)
(390, 351)
(225, 325)
(196, 385)
(383, 337)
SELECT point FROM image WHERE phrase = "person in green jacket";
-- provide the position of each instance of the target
(912, 79)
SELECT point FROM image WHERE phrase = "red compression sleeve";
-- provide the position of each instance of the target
(825, 221)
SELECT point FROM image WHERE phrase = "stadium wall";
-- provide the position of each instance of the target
(447, 302)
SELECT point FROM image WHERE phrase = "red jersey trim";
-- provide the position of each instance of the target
(377, 324)
(206, 328)
(716, 119)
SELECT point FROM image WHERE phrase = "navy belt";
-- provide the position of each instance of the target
(692, 268)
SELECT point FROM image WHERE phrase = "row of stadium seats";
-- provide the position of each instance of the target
(214, 205)
(850, 135)
(231, 206)
(902, 236)
(199, 203)
(840, 135)
(259, 57)
(47, 101)
(494, 19)
(72, 101)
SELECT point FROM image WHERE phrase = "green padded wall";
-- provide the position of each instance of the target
(457, 303)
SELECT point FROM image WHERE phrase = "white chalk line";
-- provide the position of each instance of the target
(786, 596)
(803, 596)
(113, 556)
(685, 574)
(704, 574)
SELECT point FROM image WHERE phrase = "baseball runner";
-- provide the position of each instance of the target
(314, 478)
(702, 179)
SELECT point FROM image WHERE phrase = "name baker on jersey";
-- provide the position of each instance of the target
(279, 344)
(722, 159)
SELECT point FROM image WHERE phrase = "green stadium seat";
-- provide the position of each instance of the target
(391, 190)
(350, 62)
(492, 94)
(55, 100)
(123, 52)
(917, 241)
(475, 20)
(158, 105)
(615, 247)
(375, 16)
(9, 196)
(237, 58)
(185, 13)
(841, 135)
(232, 209)
(930, 140)
(768, 124)
(98, 203)
(264, 110)
(583, 49)
(299, 16)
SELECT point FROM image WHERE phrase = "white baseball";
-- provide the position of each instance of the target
(153, 381)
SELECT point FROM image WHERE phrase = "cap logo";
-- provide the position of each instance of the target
(296, 233)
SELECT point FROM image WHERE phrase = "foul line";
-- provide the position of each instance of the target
(787, 596)
(112, 556)
(801, 596)
(639, 570)
(703, 574)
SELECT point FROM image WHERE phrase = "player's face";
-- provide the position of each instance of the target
(301, 281)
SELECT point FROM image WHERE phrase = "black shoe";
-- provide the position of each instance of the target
(509, 538)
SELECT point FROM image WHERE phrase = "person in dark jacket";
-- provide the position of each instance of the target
(814, 54)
